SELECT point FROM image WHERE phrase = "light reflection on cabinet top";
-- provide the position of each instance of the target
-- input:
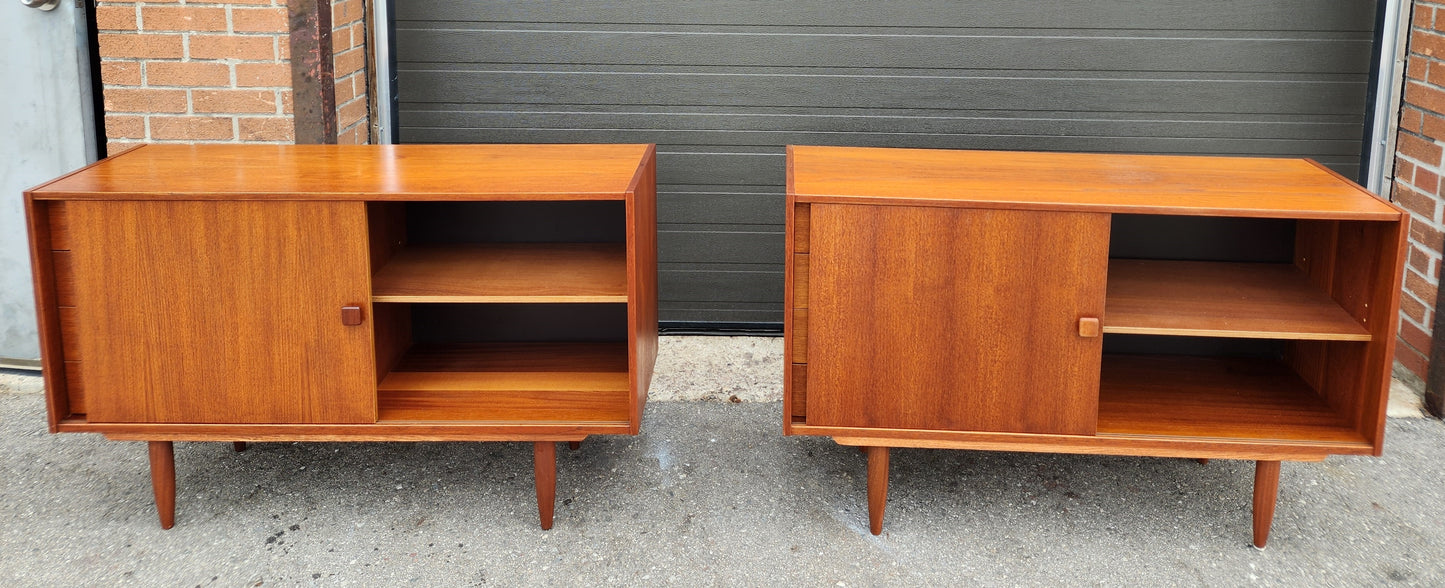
(1115, 183)
(359, 172)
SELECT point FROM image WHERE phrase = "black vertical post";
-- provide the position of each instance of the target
(1435, 378)
(313, 72)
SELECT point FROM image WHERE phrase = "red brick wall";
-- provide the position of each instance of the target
(1418, 166)
(188, 71)
(195, 72)
(348, 39)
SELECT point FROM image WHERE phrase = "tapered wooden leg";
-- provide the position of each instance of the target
(544, 464)
(574, 445)
(163, 481)
(1266, 492)
(238, 445)
(1203, 461)
(877, 487)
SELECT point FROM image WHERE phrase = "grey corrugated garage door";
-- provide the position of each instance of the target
(722, 85)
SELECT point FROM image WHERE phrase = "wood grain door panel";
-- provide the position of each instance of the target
(954, 318)
(223, 312)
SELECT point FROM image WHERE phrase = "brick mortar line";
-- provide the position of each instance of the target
(1415, 214)
(1412, 348)
(1423, 220)
(1428, 85)
(1418, 163)
(1431, 253)
(1415, 187)
(1404, 320)
(1409, 321)
(140, 33)
(1430, 267)
(1409, 270)
(230, 60)
(1431, 224)
(1417, 299)
(1426, 276)
(1420, 134)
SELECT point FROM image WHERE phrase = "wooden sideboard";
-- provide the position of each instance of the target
(1192, 307)
(360, 293)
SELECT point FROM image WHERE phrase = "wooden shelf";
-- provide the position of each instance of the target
(508, 382)
(1214, 299)
(1207, 397)
(505, 272)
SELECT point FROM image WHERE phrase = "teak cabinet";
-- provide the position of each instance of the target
(326, 293)
(1199, 307)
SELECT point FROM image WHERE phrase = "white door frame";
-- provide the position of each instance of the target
(1379, 156)
(381, 26)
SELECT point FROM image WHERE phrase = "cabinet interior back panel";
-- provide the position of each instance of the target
(474, 323)
(722, 85)
(514, 222)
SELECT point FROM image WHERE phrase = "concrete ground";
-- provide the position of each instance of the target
(710, 494)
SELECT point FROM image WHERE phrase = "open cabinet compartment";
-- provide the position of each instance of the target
(501, 311)
(1261, 329)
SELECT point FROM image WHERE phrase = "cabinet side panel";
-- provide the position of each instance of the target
(1359, 263)
(59, 222)
(1375, 254)
(1367, 260)
(52, 359)
(64, 271)
(642, 283)
(954, 319)
(75, 388)
(223, 312)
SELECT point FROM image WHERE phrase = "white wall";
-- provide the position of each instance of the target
(46, 129)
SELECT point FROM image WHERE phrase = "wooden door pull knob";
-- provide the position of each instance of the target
(351, 315)
(1089, 327)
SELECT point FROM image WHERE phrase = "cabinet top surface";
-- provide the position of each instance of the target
(1147, 184)
(370, 172)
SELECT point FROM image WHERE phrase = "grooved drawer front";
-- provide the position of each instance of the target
(222, 312)
(959, 319)
(799, 378)
(800, 280)
(801, 227)
(800, 335)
